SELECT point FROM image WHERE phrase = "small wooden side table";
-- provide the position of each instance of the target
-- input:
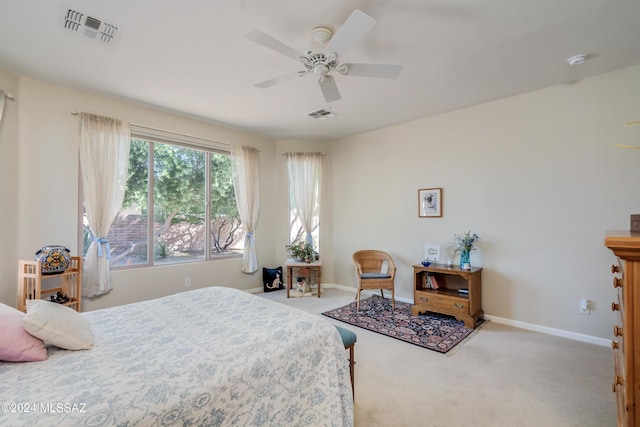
(304, 268)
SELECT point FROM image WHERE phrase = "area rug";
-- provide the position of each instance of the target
(434, 331)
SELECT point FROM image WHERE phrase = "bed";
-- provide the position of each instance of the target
(214, 356)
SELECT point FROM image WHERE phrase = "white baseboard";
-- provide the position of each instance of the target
(341, 287)
(551, 331)
(517, 324)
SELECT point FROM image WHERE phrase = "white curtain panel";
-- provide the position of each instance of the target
(305, 182)
(104, 163)
(246, 183)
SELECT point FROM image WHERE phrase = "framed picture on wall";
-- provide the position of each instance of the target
(430, 202)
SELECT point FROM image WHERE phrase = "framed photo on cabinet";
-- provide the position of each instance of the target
(430, 203)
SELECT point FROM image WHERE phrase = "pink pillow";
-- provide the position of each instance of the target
(16, 345)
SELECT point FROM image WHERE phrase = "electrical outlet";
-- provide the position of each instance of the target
(187, 282)
(585, 307)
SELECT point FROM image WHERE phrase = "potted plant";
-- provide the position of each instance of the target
(302, 252)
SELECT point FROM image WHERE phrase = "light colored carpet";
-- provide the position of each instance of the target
(499, 376)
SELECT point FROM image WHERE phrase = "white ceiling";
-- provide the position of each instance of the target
(191, 57)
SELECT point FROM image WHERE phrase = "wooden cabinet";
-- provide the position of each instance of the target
(625, 344)
(448, 299)
(30, 283)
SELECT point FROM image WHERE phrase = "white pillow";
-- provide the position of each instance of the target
(59, 325)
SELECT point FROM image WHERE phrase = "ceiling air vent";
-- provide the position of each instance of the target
(321, 114)
(89, 26)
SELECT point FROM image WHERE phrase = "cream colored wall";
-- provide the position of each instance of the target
(536, 175)
(8, 193)
(46, 190)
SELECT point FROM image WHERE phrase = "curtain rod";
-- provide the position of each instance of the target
(75, 113)
(180, 134)
(287, 153)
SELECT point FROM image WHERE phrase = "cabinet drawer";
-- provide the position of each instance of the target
(441, 303)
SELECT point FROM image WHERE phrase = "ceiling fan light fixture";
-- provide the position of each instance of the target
(321, 69)
(577, 59)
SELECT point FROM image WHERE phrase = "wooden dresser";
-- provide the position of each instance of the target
(626, 346)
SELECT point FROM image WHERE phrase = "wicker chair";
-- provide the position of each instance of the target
(369, 265)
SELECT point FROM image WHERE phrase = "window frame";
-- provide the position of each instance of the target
(191, 142)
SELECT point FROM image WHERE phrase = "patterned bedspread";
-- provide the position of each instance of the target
(208, 357)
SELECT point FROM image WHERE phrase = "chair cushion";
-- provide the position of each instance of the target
(375, 276)
(348, 337)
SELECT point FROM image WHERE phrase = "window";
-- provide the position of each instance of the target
(297, 233)
(305, 183)
(174, 193)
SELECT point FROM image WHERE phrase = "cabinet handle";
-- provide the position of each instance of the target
(615, 345)
(615, 268)
(615, 307)
(424, 299)
(617, 283)
(617, 331)
(456, 305)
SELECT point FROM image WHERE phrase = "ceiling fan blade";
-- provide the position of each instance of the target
(274, 81)
(351, 32)
(329, 88)
(266, 40)
(383, 71)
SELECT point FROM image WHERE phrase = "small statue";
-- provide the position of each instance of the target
(300, 281)
(303, 287)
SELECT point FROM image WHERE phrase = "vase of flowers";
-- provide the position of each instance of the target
(465, 243)
(303, 252)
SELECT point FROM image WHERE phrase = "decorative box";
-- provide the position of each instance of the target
(53, 259)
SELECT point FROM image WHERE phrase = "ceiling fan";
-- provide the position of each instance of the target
(324, 59)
